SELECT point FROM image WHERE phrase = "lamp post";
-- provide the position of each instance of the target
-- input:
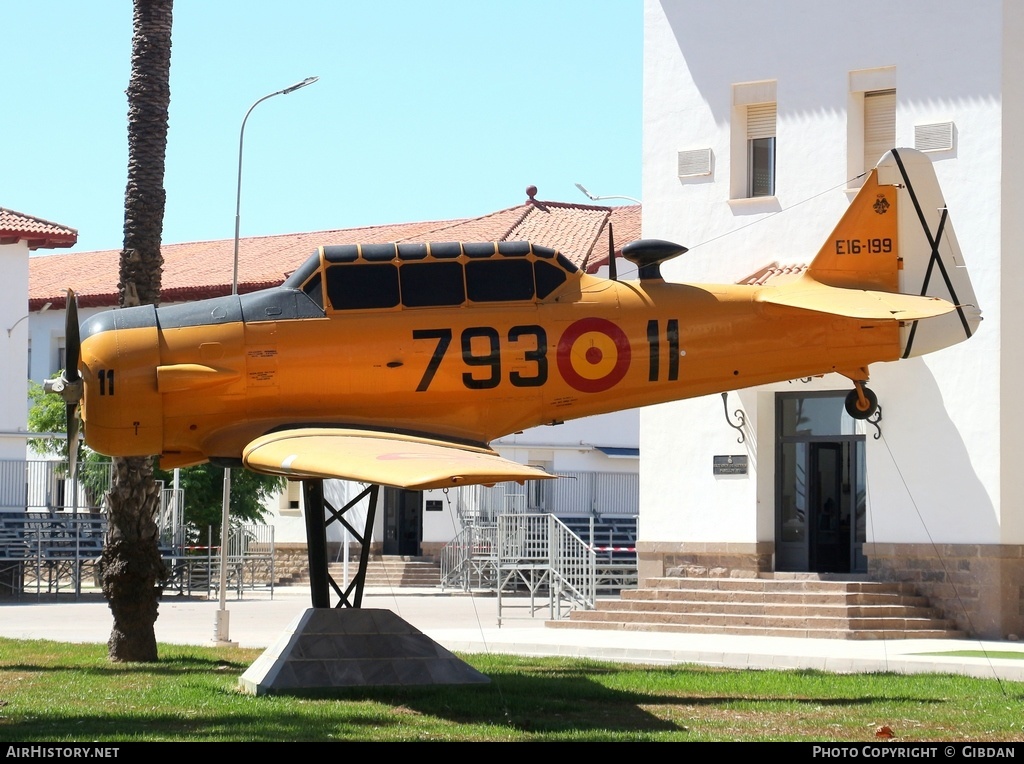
(238, 193)
(43, 309)
(612, 272)
(599, 198)
(221, 622)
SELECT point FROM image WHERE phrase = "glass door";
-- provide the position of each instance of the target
(403, 522)
(820, 486)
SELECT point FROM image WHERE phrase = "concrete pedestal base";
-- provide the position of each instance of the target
(350, 647)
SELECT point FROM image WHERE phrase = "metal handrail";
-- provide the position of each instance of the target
(468, 560)
(539, 552)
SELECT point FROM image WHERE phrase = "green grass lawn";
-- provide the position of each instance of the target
(993, 654)
(51, 691)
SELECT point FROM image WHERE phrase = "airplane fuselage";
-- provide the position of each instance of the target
(199, 381)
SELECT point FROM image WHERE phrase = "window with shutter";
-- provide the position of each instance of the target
(761, 149)
(879, 125)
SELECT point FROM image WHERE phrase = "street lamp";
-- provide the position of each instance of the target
(238, 194)
(220, 626)
(599, 198)
(43, 309)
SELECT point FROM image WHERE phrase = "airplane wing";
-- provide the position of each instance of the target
(809, 294)
(402, 461)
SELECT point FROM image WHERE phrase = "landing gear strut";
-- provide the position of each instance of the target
(861, 403)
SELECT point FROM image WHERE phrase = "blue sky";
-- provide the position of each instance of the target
(424, 111)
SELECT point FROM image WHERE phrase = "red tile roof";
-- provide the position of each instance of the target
(203, 269)
(39, 233)
(625, 225)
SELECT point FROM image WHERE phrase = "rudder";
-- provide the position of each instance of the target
(896, 237)
(863, 250)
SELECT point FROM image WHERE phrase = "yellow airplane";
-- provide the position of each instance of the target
(397, 364)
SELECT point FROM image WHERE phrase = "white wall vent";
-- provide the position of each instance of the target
(694, 163)
(936, 137)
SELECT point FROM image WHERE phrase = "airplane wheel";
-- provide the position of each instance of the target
(853, 404)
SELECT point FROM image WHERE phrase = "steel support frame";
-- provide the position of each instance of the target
(319, 515)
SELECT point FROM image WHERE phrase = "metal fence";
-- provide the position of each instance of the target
(40, 550)
(539, 553)
(470, 560)
(52, 530)
(195, 568)
(573, 493)
(595, 493)
(41, 485)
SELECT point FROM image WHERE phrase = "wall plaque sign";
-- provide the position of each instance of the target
(730, 465)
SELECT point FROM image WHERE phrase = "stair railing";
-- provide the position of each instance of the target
(538, 552)
(469, 560)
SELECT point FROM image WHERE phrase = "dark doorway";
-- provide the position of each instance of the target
(403, 522)
(820, 486)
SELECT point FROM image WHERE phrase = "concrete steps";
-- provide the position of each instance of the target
(293, 579)
(795, 605)
(394, 571)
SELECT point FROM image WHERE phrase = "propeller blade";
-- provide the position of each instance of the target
(72, 341)
(71, 413)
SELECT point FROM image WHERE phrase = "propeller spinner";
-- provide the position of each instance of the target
(69, 384)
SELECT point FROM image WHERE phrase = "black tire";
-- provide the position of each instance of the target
(853, 404)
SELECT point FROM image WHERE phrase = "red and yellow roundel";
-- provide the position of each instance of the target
(593, 355)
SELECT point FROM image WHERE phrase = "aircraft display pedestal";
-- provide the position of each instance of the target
(325, 648)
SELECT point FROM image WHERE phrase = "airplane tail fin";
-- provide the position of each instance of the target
(896, 237)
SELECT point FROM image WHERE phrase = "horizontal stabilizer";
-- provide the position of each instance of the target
(808, 294)
(402, 461)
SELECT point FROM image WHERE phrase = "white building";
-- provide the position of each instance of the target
(758, 118)
(20, 234)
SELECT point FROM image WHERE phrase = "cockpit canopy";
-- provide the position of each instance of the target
(425, 275)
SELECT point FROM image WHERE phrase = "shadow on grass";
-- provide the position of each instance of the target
(252, 727)
(512, 707)
(161, 668)
(191, 695)
(562, 699)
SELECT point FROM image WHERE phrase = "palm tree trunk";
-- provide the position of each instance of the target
(132, 568)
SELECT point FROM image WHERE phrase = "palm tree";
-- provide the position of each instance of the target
(132, 568)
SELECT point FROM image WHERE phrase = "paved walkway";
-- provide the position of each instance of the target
(468, 624)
